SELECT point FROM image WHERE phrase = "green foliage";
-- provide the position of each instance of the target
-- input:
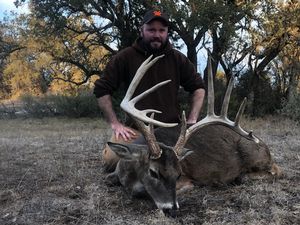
(83, 104)
(262, 100)
(7, 111)
(291, 108)
(37, 107)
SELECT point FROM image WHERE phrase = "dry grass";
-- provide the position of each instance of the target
(50, 173)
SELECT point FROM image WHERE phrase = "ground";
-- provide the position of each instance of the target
(51, 173)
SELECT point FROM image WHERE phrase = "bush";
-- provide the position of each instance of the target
(263, 97)
(37, 107)
(291, 108)
(7, 111)
(83, 104)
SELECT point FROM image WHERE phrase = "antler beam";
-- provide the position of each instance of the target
(212, 118)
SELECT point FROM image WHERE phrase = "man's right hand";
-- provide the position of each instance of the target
(122, 131)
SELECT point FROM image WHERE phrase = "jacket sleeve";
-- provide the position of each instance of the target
(110, 81)
(190, 80)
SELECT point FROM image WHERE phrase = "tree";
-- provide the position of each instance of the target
(244, 37)
(82, 35)
(273, 34)
(8, 45)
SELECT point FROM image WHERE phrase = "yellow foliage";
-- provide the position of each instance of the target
(22, 77)
(221, 76)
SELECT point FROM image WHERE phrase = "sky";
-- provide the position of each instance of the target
(8, 5)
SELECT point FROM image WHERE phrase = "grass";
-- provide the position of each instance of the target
(51, 173)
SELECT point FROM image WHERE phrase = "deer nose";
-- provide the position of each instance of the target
(170, 212)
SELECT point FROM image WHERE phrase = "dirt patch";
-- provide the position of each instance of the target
(51, 173)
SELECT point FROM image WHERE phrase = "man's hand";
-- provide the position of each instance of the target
(118, 128)
(122, 131)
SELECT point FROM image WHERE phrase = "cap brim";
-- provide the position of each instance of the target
(164, 21)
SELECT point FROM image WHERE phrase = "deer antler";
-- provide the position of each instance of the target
(140, 116)
(211, 117)
(128, 104)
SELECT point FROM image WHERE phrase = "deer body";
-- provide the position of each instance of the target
(213, 151)
(220, 155)
(211, 145)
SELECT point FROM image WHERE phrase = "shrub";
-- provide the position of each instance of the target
(7, 110)
(291, 108)
(83, 104)
(37, 107)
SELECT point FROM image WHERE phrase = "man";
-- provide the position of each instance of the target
(174, 65)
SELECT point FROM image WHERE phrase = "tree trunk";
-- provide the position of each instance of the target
(293, 83)
(254, 94)
(192, 54)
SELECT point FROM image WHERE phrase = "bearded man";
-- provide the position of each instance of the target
(174, 65)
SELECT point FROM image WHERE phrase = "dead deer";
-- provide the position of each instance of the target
(215, 150)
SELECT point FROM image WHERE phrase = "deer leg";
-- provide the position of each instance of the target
(183, 184)
(112, 179)
(274, 172)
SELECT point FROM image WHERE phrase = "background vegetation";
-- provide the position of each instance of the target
(58, 49)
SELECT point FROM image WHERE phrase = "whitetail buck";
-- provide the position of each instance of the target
(213, 151)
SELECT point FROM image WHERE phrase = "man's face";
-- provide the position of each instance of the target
(154, 34)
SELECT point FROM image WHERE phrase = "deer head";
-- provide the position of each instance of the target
(142, 175)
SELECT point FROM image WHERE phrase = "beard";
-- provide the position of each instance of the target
(154, 45)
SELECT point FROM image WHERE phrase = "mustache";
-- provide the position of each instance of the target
(156, 39)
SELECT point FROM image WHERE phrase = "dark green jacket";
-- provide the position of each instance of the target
(174, 65)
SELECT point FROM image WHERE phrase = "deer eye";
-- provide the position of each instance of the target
(153, 174)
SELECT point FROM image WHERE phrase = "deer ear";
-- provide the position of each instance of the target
(124, 151)
(184, 153)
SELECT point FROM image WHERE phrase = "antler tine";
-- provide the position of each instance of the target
(224, 110)
(128, 104)
(140, 74)
(240, 112)
(182, 136)
(210, 90)
(237, 122)
(145, 93)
